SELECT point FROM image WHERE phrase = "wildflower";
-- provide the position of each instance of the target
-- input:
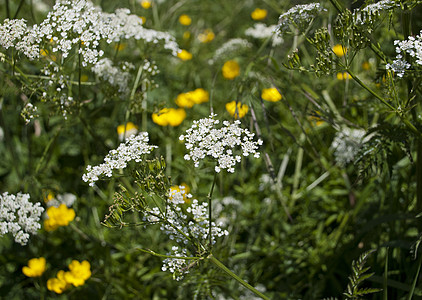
(346, 144)
(113, 75)
(184, 55)
(188, 99)
(237, 110)
(146, 4)
(366, 65)
(169, 116)
(231, 47)
(300, 16)
(79, 272)
(230, 69)
(19, 216)
(67, 199)
(179, 193)
(206, 36)
(143, 19)
(58, 284)
(186, 35)
(58, 216)
(259, 14)
(343, 76)
(262, 31)
(271, 94)
(204, 139)
(35, 268)
(49, 197)
(185, 20)
(339, 50)
(132, 149)
(126, 130)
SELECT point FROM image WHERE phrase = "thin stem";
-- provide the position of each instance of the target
(7, 10)
(210, 209)
(19, 8)
(169, 256)
(235, 277)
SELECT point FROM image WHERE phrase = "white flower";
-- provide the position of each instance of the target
(346, 144)
(203, 140)
(115, 76)
(19, 216)
(261, 31)
(132, 149)
(299, 16)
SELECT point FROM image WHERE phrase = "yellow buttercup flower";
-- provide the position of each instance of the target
(188, 99)
(35, 268)
(206, 36)
(127, 130)
(185, 20)
(58, 216)
(271, 94)
(169, 116)
(58, 284)
(237, 111)
(259, 14)
(343, 76)
(186, 35)
(43, 52)
(79, 272)
(49, 197)
(143, 19)
(339, 50)
(366, 66)
(184, 55)
(146, 4)
(230, 69)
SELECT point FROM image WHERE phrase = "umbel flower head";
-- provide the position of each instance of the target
(133, 149)
(19, 216)
(203, 139)
(35, 268)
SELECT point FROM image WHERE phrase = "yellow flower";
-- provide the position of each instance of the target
(188, 99)
(49, 197)
(366, 66)
(343, 76)
(186, 35)
(237, 111)
(230, 69)
(59, 284)
(259, 14)
(169, 116)
(143, 19)
(58, 216)
(146, 4)
(185, 20)
(79, 272)
(206, 36)
(35, 268)
(43, 52)
(271, 94)
(184, 55)
(126, 131)
(120, 46)
(339, 50)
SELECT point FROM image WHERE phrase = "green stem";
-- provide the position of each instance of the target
(210, 209)
(169, 256)
(19, 8)
(235, 277)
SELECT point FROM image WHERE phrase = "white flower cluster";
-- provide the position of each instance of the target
(115, 76)
(67, 199)
(181, 227)
(203, 139)
(230, 47)
(371, 12)
(413, 47)
(262, 31)
(346, 144)
(19, 216)
(177, 266)
(79, 23)
(29, 112)
(132, 149)
(299, 16)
